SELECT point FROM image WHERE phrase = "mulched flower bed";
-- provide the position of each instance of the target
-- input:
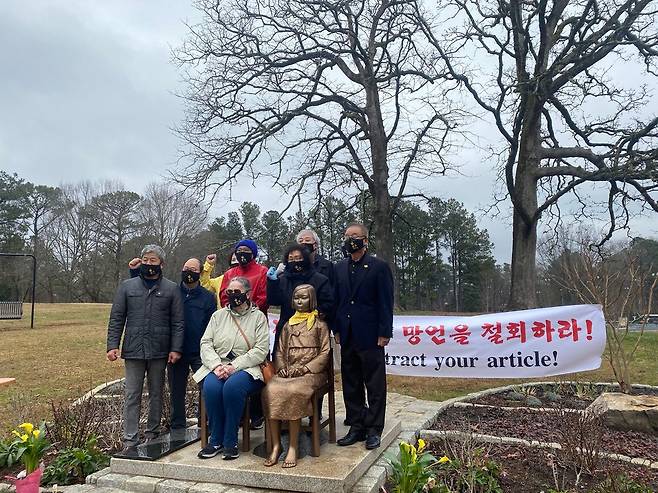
(528, 470)
(542, 426)
(572, 396)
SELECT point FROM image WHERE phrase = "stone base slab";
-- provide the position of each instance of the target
(336, 470)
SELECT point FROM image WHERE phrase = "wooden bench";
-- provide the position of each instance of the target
(11, 310)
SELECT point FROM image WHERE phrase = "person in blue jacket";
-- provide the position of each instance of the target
(363, 326)
(198, 306)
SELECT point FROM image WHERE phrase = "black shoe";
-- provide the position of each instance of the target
(231, 453)
(351, 438)
(209, 451)
(257, 423)
(373, 441)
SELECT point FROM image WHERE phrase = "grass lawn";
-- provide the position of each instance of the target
(64, 356)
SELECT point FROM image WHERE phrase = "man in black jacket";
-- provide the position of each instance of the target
(198, 306)
(147, 313)
(310, 239)
(363, 325)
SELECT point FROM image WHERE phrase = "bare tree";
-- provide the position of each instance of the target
(615, 278)
(171, 215)
(542, 76)
(71, 239)
(316, 98)
(115, 216)
(41, 202)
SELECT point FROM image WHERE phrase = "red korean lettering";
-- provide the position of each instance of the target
(568, 328)
(460, 334)
(493, 332)
(543, 329)
(412, 332)
(516, 330)
(437, 334)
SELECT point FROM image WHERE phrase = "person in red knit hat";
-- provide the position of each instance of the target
(246, 253)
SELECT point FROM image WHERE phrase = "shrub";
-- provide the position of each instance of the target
(581, 437)
(74, 464)
(73, 425)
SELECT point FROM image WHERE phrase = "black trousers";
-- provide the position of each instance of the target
(361, 371)
(178, 374)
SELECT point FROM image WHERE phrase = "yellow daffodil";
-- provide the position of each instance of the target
(24, 438)
(27, 427)
(421, 445)
(15, 433)
(36, 433)
(443, 460)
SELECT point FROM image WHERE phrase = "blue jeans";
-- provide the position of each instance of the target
(225, 404)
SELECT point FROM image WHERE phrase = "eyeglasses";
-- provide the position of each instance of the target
(234, 291)
(354, 237)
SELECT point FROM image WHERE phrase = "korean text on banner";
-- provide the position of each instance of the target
(521, 344)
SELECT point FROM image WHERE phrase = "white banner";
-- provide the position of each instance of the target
(529, 343)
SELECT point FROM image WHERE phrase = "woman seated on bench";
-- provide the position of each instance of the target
(233, 346)
(301, 362)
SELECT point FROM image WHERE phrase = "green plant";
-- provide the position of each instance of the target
(411, 471)
(527, 390)
(469, 470)
(30, 445)
(73, 464)
(585, 391)
(8, 453)
(621, 484)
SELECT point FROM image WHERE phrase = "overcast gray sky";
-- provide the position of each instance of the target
(87, 93)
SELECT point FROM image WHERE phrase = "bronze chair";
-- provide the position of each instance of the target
(316, 425)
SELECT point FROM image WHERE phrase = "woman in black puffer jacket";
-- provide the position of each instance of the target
(297, 270)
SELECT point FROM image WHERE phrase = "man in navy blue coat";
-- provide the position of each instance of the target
(363, 325)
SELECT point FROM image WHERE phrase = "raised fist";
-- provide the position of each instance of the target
(211, 259)
(135, 263)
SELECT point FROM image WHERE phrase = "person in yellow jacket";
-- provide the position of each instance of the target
(213, 284)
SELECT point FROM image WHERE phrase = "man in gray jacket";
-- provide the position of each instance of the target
(148, 313)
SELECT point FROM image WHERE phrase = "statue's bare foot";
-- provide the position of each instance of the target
(291, 459)
(273, 459)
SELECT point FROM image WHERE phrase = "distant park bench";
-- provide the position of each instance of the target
(11, 310)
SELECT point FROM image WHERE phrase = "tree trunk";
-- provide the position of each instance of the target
(524, 234)
(383, 219)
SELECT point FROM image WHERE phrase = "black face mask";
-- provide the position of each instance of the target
(296, 266)
(309, 247)
(150, 270)
(354, 245)
(244, 257)
(237, 299)
(189, 277)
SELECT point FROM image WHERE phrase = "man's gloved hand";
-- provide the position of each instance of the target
(272, 273)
